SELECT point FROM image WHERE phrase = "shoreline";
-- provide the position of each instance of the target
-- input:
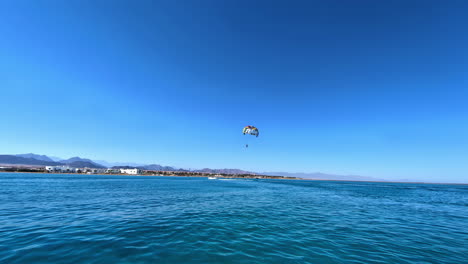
(260, 177)
(234, 177)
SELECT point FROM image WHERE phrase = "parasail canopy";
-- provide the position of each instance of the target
(250, 130)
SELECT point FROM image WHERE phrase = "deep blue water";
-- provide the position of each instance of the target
(119, 219)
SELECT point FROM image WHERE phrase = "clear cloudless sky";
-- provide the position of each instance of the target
(372, 88)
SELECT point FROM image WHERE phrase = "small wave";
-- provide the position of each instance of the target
(161, 220)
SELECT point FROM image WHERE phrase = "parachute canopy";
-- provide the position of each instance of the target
(250, 130)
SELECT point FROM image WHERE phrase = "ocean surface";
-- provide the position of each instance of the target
(48, 218)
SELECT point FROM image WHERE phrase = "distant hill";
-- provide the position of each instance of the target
(85, 164)
(157, 167)
(116, 164)
(78, 162)
(323, 176)
(35, 156)
(73, 159)
(75, 162)
(152, 167)
(56, 159)
(123, 167)
(13, 159)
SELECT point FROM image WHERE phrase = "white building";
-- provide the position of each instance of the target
(93, 171)
(112, 171)
(59, 169)
(130, 171)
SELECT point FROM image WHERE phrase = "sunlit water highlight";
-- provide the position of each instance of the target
(119, 219)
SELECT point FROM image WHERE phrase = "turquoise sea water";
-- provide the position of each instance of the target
(119, 219)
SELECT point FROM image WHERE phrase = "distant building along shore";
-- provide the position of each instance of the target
(68, 169)
(42, 164)
(131, 171)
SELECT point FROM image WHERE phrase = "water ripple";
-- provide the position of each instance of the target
(118, 219)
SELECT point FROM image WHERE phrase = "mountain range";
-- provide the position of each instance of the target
(157, 167)
(42, 160)
(35, 156)
(12, 159)
(77, 162)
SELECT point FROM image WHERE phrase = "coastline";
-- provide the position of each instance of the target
(258, 177)
(262, 177)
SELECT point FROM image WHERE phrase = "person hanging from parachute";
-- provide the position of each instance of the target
(250, 130)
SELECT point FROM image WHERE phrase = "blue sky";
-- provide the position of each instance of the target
(373, 88)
